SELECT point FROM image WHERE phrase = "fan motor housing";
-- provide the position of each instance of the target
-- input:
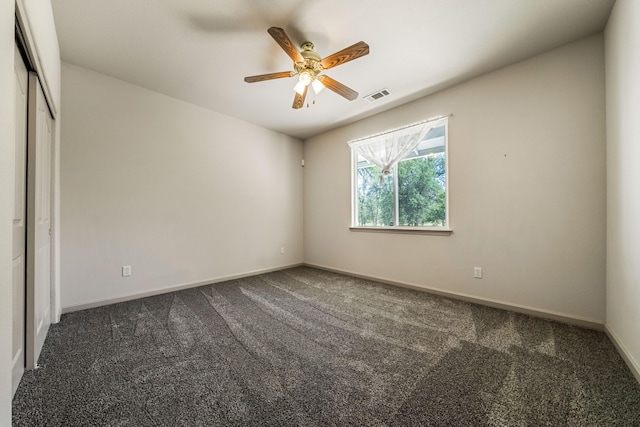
(311, 63)
(308, 51)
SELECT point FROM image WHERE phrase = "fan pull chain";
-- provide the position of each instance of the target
(313, 102)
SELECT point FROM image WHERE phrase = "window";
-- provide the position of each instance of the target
(400, 178)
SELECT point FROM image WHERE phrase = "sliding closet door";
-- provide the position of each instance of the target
(21, 84)
(40, 138)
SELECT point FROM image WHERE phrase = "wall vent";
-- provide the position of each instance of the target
(377, 95)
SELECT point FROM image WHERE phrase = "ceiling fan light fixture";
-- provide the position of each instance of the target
(317, 86)
(299, 87)
(305, 78)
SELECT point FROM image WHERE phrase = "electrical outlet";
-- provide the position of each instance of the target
(282, 250)
(477, 272)
(126, 270)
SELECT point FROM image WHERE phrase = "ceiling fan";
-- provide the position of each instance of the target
(308, 66)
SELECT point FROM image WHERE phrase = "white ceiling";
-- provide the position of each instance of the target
(199, 51)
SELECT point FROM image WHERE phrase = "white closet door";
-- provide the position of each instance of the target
(39, 145)
(21, 85)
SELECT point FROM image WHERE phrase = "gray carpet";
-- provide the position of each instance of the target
(305, 347)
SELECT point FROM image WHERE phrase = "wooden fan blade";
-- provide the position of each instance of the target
(285, 43)
(298, 101)
(270, 76)
(338, 87)
(345, 55)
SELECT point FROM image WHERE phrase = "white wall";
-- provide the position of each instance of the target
(527, 190)
(7, 114)
(622, 42)
(180, 193)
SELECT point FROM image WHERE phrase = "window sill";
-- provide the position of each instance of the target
(405, 230)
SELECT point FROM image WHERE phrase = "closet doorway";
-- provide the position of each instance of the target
(34, 132)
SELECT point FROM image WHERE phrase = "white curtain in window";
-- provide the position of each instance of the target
(388, 148)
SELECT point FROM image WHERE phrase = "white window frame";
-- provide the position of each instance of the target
(443, 230)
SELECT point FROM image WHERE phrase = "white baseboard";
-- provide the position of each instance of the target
(545, 314)
(588, 323)
(633, 365)
(133, 296)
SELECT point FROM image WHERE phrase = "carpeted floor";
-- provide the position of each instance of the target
(305, 347)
